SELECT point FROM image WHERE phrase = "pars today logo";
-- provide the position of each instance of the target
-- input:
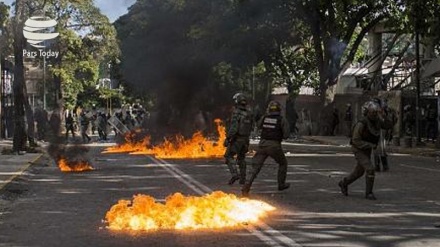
(37, 30)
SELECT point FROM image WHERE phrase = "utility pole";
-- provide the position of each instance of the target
(417, 73)
(44, 83)
(253, 82)
(2, 97)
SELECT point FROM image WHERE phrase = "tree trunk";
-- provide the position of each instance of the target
(29, 118)
(19, 139)
(56, 147)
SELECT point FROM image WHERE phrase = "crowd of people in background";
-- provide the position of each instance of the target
(339, 121)
(83, 122)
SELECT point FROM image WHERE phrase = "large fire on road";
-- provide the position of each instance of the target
(131, 144)
(212, 211)
(74, 166)
(178, 148)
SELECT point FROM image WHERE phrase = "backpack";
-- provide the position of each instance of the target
(245, 123)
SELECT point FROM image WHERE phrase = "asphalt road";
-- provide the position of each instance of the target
(46, 207)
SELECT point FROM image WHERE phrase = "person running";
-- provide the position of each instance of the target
(274, 128)
(237, 138)
(365, 138)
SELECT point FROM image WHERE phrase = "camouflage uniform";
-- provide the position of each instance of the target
(84, 122)
(366, 135)
(237, 142)
(274, 128)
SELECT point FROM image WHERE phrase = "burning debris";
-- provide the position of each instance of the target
(131, 144)
(74, 166)
(198, 146)
(212, 211)
(68, 158)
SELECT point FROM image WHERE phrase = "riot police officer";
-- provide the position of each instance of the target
(84, 122)
(386, 135)
(274, 128)
(365, 138)
(237, 138)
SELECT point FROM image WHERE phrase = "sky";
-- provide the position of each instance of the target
(112, 8)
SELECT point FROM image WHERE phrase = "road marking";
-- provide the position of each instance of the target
(325, 174)
(314, 155)
(421, 168)
(269, 235)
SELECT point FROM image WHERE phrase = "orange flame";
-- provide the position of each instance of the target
(75, 166)
(130, 145)
(196, 147)
(212, 211)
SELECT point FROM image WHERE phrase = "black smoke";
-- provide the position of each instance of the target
(58, 148)
(169, 50)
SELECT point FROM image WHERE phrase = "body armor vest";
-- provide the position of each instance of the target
(271, 129)
(244, 123)
(367, 135)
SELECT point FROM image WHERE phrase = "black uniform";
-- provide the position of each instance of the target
(274, 128)
(70, 126)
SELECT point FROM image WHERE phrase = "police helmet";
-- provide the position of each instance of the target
(371, 109)
(274, 107)
(240, 99)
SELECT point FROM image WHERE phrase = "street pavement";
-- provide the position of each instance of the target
(51, 208)
(12, 166)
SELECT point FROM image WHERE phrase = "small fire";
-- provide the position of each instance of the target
(212, 211)
(74, 166)
(130, 145)
(178, 148)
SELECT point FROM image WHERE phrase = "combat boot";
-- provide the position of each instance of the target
(369, 183)
(283, 186)
(384, 160)
(370, 196)
(247, 186)
(344, 187)
(245, 190)
(233, 171)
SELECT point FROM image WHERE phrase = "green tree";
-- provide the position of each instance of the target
(86, 40)
(20, 137)
(4, 14)
(337, 29)
(220, 43)
(4, 29)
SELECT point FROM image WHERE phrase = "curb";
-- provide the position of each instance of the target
(19, 172)
(392, 149)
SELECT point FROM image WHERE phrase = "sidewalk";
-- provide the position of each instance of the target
(12, 166)
(344, 141)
